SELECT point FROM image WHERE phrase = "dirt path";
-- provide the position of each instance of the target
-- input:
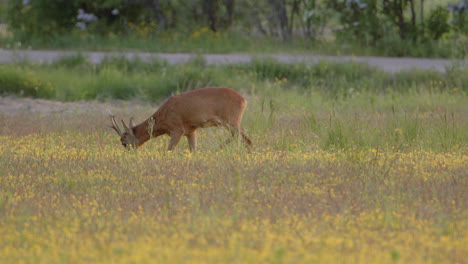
(385, 63)
(11, 105)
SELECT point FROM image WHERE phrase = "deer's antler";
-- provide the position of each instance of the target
(115, 126)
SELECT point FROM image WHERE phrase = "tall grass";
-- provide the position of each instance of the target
(74, 78)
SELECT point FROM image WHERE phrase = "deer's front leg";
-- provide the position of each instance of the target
(192, 141)
(175, 138)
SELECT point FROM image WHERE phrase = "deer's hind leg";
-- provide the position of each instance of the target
(246, 140)
(235, 132)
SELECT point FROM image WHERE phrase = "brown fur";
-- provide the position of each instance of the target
(183, 114)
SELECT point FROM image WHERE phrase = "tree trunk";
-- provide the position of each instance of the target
(230, 4)
(413, 13)
(422, 12)
(160, 17)
(401, 19)
(210, 8)
(279, 7)
(294, 10)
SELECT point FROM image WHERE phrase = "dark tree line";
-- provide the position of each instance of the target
(369, 20)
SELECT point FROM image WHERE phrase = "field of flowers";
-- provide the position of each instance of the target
(352, 183)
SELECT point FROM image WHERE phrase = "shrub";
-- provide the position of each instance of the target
(270, 69)
(180, 79)
(437, 23)
(332, 79)
(45, 19)
(122, 78)
(134, 64)
(40, 18)
(359, 20)
(460, 13)
(16, 81)
(71, 62)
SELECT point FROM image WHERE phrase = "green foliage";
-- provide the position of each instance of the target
(376, 27)
(133, 65)
(344, 80)
(393, 45)
(396, 28)
(179, 80)
(437, 22)
(335, 136)
(41, 18)
(75, 78)
(111, 83)
(316, 17)
(270, 69)
(332, 79)
(2, 12)
(16, 81)
(71, 62)
(460, 16)
(360, 20)
(117, 78)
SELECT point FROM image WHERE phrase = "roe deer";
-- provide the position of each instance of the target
(181, 115)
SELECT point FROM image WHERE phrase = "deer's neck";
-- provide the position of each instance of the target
(146, 130)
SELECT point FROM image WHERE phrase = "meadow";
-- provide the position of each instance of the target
(349, 165)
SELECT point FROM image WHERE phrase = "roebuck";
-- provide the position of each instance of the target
(181, 115)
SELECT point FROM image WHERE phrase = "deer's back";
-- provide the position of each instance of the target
(203, 105)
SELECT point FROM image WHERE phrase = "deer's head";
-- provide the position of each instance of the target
(128, 138)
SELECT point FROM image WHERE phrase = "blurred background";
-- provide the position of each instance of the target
(418, 28)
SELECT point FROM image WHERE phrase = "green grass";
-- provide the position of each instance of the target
(204, 41)
(74, 78)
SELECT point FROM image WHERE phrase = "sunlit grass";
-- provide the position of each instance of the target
(64, 199)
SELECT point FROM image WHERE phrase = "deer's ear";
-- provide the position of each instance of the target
(128, 130)
(131, 123)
